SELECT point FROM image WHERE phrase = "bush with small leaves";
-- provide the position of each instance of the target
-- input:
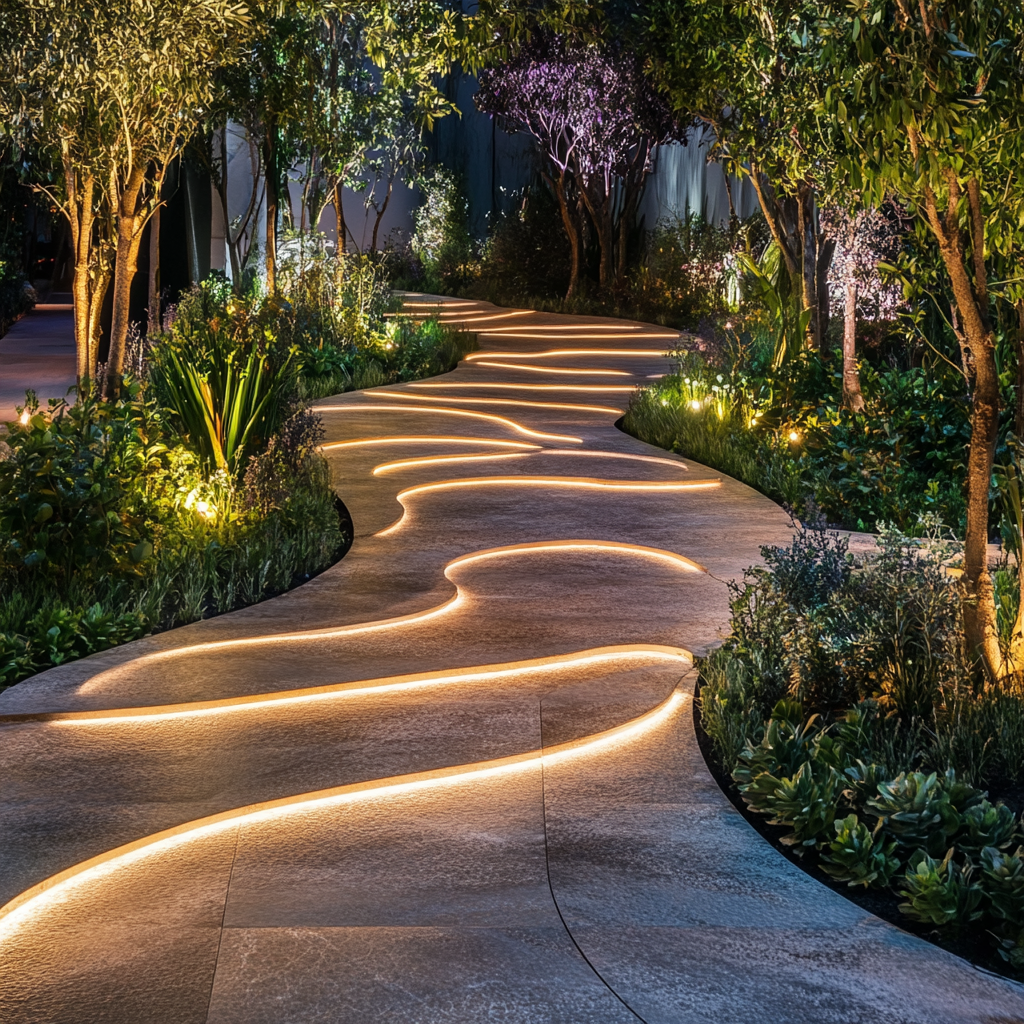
(859, 856)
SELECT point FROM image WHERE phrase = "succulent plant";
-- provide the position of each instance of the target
(941, 892)
(859, 856)
(986, 825)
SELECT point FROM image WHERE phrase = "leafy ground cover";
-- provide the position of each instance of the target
(844, 712)
(782, 427)
(201, 488)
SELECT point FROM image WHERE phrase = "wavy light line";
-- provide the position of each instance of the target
(591, 483)
(358, 687)
(645, 352)
(430, 460)
(54, 890)
(445, 608)
(523, 402)
(556, 369)
(427, 439)
(601, 388)
(504, 421)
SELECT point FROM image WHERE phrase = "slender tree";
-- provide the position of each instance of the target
(110, 92)
(739, 66)
(597, 121)
(931, 97)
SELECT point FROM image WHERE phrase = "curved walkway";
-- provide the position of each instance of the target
(454, 778)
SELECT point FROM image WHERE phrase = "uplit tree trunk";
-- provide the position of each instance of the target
(131, 220)
(806, 253)
(852, 398)
(270, 170)
(339, 214)
(972, 304)
(558, 186)
(91, 268)
(598, 199)
(154, 272)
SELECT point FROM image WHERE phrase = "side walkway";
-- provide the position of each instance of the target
(454, 778)
(38, 352)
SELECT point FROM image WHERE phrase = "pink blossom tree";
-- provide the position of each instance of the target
(597, 122)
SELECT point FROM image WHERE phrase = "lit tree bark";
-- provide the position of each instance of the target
(154, 272)
(270, 170)
(852, 398)
(558, 185)
(131, 219)
(971, 298)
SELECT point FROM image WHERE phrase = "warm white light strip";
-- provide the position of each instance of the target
(360, 687)
(431, 460)
(59, 888)
(414, 618)
(502, 420)
(582, 483)
(555, 369)
(521, 402)
(599, 388)
(643, 352)
(427, 439)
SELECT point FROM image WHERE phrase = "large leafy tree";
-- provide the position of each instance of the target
(597, 120)
(109, 93)
(927, 100)
(739, 66)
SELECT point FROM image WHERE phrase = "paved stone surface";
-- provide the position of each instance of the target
(454, 778)
(38, 352)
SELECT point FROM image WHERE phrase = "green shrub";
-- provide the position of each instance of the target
(859, 856)
(941, 892)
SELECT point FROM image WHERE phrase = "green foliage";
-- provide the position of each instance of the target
(923, 812)
(441, 239)
(225, 407)
(941, 892)
(781, 427)
(859, 856)
(842, 698)
(75, 489)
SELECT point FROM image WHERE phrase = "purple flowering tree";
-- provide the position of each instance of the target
(597, 122)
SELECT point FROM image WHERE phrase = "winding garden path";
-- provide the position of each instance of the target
(454, 778)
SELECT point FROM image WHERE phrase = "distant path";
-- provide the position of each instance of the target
(454, 778)
(38, 352)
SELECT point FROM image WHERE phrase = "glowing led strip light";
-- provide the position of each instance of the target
(504, 421)
(361, 687)
(600, 388)
(430, 460)
(426, 439)
(522, 402)
(580, 482)
(679, 561)
(59, 888)
(539, 334)
(555, 369)
(645, 352)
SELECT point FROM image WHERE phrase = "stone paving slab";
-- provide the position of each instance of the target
(454, 778)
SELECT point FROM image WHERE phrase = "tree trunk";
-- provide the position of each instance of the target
(1018, 412)
(572, 230)
(382, 211)
(130, 224)
(809, 266)
(826, 250)
(852, 398)
(980, 624)
(601, 217)
(154, 272)
(339, 213)
(270, 173)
